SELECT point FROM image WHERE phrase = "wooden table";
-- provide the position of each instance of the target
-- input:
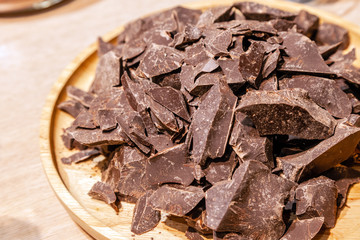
(33, 51)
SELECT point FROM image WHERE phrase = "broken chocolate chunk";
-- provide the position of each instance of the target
(270, 63)
(217, 41)
(212, 15)
(317, 198)
(221, 169)
(80, 156)
(232, 207)
(323, 156)
(169, 166)
(305, 229)
(145, 218)
(261, 12)
(230, 68)
(328, 34)
(71, 107)
(176, 200)
(79, 95)
(287, 112)
(210, 128)
(103, 192)
(307, 23)
(192, 234)
(323, 92)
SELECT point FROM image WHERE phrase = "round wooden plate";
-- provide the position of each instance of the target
(71, 183)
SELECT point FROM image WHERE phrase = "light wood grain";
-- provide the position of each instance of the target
(71, 183)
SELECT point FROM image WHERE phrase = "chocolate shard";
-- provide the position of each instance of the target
(132, 171)
(172, 99)
(196, 219)
(230, 68)
(323, 156)
(258, 28)
(80, 156)
(107, 119)
(176, 200)
(344, 177)
(160, 142)
(71, 107)
(104, 47)
(353, 120)
(248, 144)
(270, 63)
(287, 112)
(212, 15)
(323, 92)
(282, 24)
(169, 166)
(84, 120)
(221, 169)
(327, 50)
(111, 175)
(317, 198)
(257, 11)
(303, 55)
(103, 192)
(270, 84)
(205, 82)
(79, 95)
(328, 34)
(306, 23)
(217, 41)
(305, 229)
(232, 207)
(211, 125)
(133, 49)
(159, 60)
(355, 102)
(108, 73)
(251, 62)
(192, 234)
(196, 53)
(145, 218)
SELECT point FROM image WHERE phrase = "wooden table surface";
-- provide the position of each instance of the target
(33, 51)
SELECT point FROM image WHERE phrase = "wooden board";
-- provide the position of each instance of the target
(71, 183)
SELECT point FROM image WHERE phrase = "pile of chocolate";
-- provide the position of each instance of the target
(235, 118)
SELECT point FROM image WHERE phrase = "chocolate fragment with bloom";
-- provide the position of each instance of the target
(71, 107)
(230, 206)
(103, 192)
(221, 169)
(307, 23)
(325, 155)
(104, 47)
(145, 218)
(79, 95)
(305, 229)
(317, 198)
(262, 12)
(176, 200)
(328, 34)
(192, 234)
(287, 112)
(80, 156)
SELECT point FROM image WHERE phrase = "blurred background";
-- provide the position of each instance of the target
(36, 44)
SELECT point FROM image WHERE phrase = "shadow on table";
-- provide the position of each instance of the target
(13, 228)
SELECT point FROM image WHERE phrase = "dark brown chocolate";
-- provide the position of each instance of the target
(145, 218)
(103, 192)
(221, 169)
(104, 47)
(317, 198)
(79, 95)
(306, 23)
(305, 229)
(71, 107)
(192, 234)
(232, 207)
(80, 156)
(230, 68)
(177, 200)
(328, 34)
(287, 112)
(323, 156)
(270, 63)
(262, 12)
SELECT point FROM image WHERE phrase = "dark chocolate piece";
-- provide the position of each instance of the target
(111, 175)
(104, 47)
(192, 234)
(191, 34)
(103, 192)
(79, 95)
(250, 64)
(145, 218)
(211, 123)
(355, 102)
(221, 169)
(327, 50)
(353, 120)
(305, 229)
(344, 177)
(80, 156)
(248, 144)
(133, 49)
(303, 55)
(262, 12)
(107, 118)
(317, 198)
(160, 142)
(323, 156)
(177, 200)
(270, 84)
(282, 24)
(217, 41)
(212, 15)
(230, 68)
(172, 99)
(84, 120)
(169, 166)
(232, 207)
(323, 92)
(270, 63)
(71, 107)
(159, 60)
(328, 34)
(287, 112)
(205, 82)
(307, 23)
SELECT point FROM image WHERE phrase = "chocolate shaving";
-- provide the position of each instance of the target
(80, 156)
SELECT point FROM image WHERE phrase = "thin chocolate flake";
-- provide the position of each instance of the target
(79, 95)
(133, 49)
(211, 123)
(303, 55)
(271, 63)
(104, 47)
(251, 62)
(145, 218)
(192, 234)
(103, 192)
(323, 156)
(107, 119)
(159, 60)
(216, 14)
(169, 166)
(344, 177)
(111, 175)
(80, 156)
(327, 50)
(221, 169)
(353, 120)
(307, 23)
(230, 68)
(270, 84)
(71, 107)
(287, 112)
(247, 142)
(323, 92)
(261, 12)
(172, 99)
(317, 198)
(328, 34)
(160, 142)
(84, 120)
(177, 201)
(182, 39)
(196, 53)
(232, 207)
(305, 229)
(217, 41)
